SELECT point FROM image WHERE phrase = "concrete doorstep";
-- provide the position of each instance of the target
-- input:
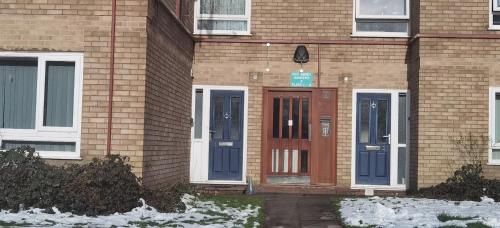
(311, 211)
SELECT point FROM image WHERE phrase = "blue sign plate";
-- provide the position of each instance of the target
(304, 79)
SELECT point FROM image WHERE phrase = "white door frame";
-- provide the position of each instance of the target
(394, 140)
(200, 147)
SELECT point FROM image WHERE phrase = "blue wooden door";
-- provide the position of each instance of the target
(373, 133)
(226, 135)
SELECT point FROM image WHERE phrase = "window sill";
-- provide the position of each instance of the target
(221, 34)
(494, 28)
(379, 35)
(493, 163)
(60, 157)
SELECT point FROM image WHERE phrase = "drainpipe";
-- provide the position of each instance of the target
(319, 65)
(111, 76)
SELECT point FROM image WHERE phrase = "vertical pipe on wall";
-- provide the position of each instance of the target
(111, 75)
(319, 65)
(178, 8)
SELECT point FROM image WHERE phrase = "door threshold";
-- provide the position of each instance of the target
(380, 187)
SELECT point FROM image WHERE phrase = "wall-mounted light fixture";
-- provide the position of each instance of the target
(301, 56)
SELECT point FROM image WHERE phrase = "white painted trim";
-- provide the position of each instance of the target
(394, 140)
(199, 16)
(51, 134)
(357, 15)
(493, 8)
(491, 129)
(202, 177)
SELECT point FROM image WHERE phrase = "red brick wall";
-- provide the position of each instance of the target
(167, 126)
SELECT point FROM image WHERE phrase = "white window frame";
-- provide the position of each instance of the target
(45, 133)
(494, 9)
(199, 16)
(492, 145)
(394, 143)
(357, 15)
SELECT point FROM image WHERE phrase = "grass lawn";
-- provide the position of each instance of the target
(210, 211)
(415, 212)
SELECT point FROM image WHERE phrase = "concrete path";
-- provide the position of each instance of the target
(310, 211)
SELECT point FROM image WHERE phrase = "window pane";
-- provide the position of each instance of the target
(198, 114)
(382, 26)
(59, 94)
(235, 118)
(496, 154)
(382, 120)
(402, 118)
(401, 165)
(497, 117)
(18, 93)
(239, 25)
(496, 19)
(382, 7)
(41, 146)
(225, 7)
(295, 117)
(276, 117)
(364, 122)
(286, 117)
(305, 118)
(219, 117)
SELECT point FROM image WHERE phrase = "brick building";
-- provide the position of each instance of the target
(395, 84)
(55, 65)
(209, 91)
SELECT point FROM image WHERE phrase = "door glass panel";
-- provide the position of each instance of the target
(198, 114)
(402, 119)
(285, 161)
(295, 161)
(303, 161)
(364, 122)
(295, 117)
(401, 165)
(305, 118)
(235, 118)
(276, 117)
(219, 117)
(382, 121)
(286, 117)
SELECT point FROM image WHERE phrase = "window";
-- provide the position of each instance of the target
(40, 102)
(222, 17)
(495, 14)
(402, 139)
(494, 150)
(198, 114)
(381, 18)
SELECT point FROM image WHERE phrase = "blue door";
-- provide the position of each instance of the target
(373, 133)
(226, 135)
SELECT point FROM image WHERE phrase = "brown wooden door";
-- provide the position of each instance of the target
(300, 135)
(289, 133)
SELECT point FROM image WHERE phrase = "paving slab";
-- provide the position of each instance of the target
(309, 211)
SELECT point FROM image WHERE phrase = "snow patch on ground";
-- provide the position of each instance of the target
(417, 212)
(198, 214)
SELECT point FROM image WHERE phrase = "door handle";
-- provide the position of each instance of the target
(388, 138)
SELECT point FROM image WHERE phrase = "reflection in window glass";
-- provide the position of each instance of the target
(235, 118)
(198, 114)
(382, 120)
(382, 7)
(364, 123)
(286, 117)
(276, 117)
(379, 26)
(402, 118)
(401, 165)
(219, 117)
